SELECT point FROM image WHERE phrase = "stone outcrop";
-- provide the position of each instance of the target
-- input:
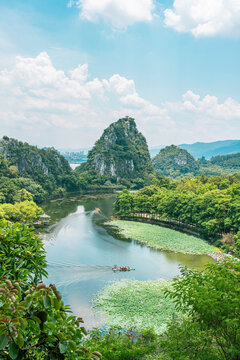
(121, 152)
(32, 161)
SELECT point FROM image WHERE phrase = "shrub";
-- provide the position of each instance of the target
(25, 211)
(211, 300)
(22, 257)
(115, 344)
(35, 324)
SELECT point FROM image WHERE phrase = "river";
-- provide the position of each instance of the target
(81, 253)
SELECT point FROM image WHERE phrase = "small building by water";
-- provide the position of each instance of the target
(44, 219)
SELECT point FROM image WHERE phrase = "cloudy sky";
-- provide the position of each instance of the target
(69, 68)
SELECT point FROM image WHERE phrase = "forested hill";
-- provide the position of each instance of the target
(121, 153)
(231, 161)
(46, 167)
(173, 161)
(31, 161)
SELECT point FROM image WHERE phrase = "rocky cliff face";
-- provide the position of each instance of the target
(121, 152)
(33, 162)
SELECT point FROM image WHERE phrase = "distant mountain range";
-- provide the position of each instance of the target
(199, 149)
(215, 148)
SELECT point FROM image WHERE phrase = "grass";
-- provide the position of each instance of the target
(163, 238)
(140, 304)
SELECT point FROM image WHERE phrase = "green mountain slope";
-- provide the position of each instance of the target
(231, 161)
(121, 153)
(173, 161)
(45, 166)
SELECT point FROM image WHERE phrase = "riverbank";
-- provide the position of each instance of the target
(140, 304)
(156, 219)
(162, 238)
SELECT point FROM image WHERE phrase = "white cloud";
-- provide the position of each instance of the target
(204, 17)
(80, 74)
(204, 119)
(207, 106)
(120, 85)
(120, 13)
(46, 106)
(34, 95)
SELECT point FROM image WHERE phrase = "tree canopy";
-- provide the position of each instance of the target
(210, 204)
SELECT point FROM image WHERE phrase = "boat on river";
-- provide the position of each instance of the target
(122, 268)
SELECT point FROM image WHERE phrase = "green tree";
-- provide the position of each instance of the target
(25, 211)
(210, 298)
(124, 203)
(23, 195)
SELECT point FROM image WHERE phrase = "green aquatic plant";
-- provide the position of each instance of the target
(162, 238)
(142, 304)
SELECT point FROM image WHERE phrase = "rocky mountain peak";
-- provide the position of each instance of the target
(121, 152)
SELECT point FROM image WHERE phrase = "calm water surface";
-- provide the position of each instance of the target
(81, 253)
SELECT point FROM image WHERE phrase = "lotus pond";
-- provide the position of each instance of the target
(140, 304)
(162, 238)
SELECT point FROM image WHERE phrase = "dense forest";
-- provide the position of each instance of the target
(231, 161)
(174, 162)
(29, 175)
(209, 204)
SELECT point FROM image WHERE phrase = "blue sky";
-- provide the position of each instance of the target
(173, 65)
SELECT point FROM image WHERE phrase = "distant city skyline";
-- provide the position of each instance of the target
(70, 68)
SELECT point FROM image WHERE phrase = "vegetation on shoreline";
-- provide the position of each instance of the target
(34, 322)
(120, 158)
(210, 301)
(139, 304)
(26, 211)
(162, 238)
(120, 344)
(210, 205)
